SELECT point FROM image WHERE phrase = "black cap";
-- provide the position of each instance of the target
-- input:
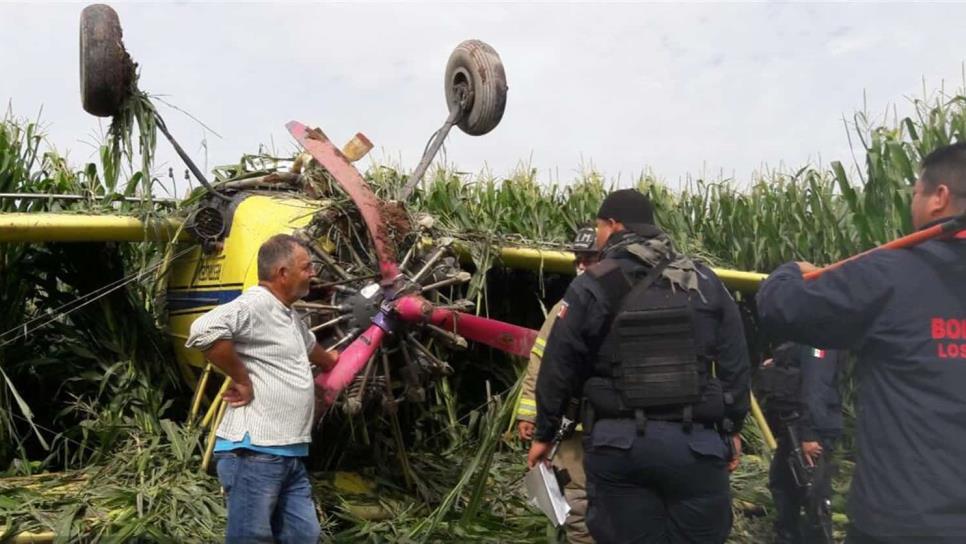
(584, 241)
(631, 208)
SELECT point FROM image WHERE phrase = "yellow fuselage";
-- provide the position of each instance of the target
(198, 281)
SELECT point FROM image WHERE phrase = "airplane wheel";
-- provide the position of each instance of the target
(106, 70)
(475, 80)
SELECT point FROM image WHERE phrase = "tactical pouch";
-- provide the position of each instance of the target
(711, 407)
(604, 399)
(657, 362)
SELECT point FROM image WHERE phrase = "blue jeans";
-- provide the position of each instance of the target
(269, 498)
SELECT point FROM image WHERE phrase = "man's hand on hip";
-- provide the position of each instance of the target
(238, 394)
(222, 354)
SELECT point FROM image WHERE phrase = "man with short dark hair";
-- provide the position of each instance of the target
(941, 187)
(902, 312)
(655, 345)
(261, 343)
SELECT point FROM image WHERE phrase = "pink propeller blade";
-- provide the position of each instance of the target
(332, 159)
(351, 361)
(512, 339)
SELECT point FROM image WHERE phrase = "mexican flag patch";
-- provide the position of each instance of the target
(563, 310)
(818, 353)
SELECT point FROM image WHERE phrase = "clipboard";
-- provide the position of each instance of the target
(543, 491)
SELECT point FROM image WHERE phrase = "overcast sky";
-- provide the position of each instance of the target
(697, 89)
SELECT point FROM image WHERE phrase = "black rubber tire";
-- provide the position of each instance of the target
(476, 65)
(106, 70)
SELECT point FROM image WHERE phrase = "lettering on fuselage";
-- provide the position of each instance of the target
(209, 272)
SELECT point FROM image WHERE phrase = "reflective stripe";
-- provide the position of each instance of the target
(527, 407)
(538, 346)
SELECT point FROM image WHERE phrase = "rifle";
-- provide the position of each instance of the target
(568, 422)
(818, 509)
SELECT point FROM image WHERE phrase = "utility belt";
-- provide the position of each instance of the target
(603, 400)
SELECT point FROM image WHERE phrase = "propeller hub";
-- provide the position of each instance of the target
(364, 305)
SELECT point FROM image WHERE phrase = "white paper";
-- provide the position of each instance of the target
(545, 493)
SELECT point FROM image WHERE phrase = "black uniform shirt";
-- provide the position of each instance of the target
(903, 312)
(583, 324)
(820, 395)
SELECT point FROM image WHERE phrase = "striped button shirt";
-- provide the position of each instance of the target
(273, 343)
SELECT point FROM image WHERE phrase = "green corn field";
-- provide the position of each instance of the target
(94, 435)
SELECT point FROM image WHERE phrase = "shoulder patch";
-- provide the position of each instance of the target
(562, 313)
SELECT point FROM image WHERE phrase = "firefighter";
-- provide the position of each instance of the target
(654, 344)
(903, 313)
(570, 455)
(799, 390)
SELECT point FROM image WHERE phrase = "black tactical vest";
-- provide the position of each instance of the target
(779, 385)
(649, 356)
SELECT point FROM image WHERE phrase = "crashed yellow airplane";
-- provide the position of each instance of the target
(214, 255)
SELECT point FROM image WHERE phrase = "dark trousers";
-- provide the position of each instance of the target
(791, 527)
(665, 486)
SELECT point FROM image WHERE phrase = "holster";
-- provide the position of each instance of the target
(588, 417)
(563, 477)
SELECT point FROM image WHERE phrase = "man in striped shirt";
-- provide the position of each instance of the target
(261, 343)
(570, 456)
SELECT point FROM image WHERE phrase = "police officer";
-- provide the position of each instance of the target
(641, 336)
(799, 390)
(570, 455)
(903, 313)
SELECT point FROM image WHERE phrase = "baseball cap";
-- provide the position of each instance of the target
(632, 208)
(584, 241)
